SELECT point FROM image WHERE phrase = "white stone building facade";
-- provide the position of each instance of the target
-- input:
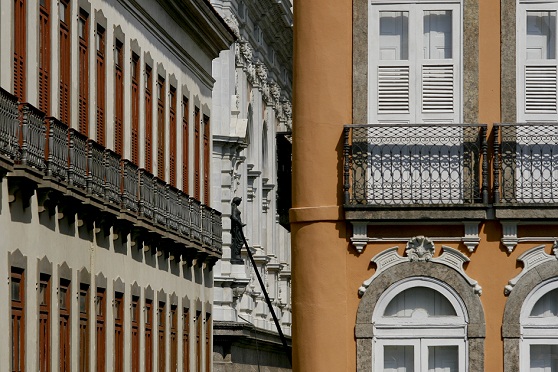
(109, 236)
(252, 114)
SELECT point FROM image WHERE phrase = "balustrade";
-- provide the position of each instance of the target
(206, 225)
(130, 186)
(161, 201)
(32, 137)
(9, 125)
(195, 219)
(113, 177)
(77, 171)
(57, 151)
(96, 166)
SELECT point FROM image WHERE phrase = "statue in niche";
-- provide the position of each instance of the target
(236, 232)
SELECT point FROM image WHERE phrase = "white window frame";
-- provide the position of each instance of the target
(536, 330)
(523, 6)
(420, 333)
(415, 9)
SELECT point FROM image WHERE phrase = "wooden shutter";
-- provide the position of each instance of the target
(65, 62)
(119, 100)
(101, 85)
(44, 57)
(173, 339)
(161, 324)
(186, 341)
(65, 301)
(208, 354)
(161, 128)
(83, 31)
(206, 159)
(17, 284)
(20, 45)
(135, 109)
(135, 334)
(393, 89)
(198, 323)
(540, 89)
(118, 332)
(44, 323)
(197, 157)
(185, 144)
(148, 120)
(438, 88)
(100, 309)
(172, 137)
(84, 328)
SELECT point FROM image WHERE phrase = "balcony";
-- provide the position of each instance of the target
(70, 172)
(525, 171)
(415, 172)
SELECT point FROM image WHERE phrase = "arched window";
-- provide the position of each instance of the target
(420, 325)
(539, 329)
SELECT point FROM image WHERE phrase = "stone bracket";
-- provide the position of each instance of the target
(471, 238)
(531, 258)
(509, 234)
(360, 235)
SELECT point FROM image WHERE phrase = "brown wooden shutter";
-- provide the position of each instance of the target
(173, 339)
(135, 334)
(65, 302)
(197, 154)
(206, 159)
(17, 283)
(148, 120)
(118, 332)
(135, 109)
(44, 58)
(65, 62)
(83, 31)
(198, 322)
(172, 137)
(161, 128)
(185, 144)
(101, 84)
(20, 45)
(161, 354)
(44, 323)
(83, 328)
(186, 341)
(100, 309)
(208, 353)
(119, 101)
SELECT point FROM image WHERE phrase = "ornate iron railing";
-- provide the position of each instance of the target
(217, 231)
(113, 177)
(526, 163)
(420, 164)
(32, 137)
(130, 187)
(69, 158)
(96, 166)
(57, 152)
(9, 125)
(77, 171)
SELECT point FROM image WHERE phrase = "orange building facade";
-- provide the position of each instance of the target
(425, 217)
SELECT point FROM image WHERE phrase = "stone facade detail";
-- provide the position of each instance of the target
(531, 259)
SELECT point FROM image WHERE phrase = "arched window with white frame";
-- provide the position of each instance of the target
(420, 324)
(539, 329)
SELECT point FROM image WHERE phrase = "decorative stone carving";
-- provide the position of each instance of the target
(232, 22)
(509, 234)
(450, 257)
(531, 259)
(246, 51)
(360, 235)
(471, 238)
(275, 91)
(420, 249)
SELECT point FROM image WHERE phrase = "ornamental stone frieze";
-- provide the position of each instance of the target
(531, 259)
(420, 249)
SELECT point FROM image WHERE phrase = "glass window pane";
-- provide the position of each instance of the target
(544, 358)
(443, 359)
(541, 35)
(437, 34)
(83, 302)
(419, 301)
(399, 359)
(394, 36)
(63, 292)
(15, 289)
(546, 306)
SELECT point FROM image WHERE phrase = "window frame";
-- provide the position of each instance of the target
(17, 308)
(45, 313)
(84, 319)
(100, 329)
(65, 315)
(83, 81)
(118, 331)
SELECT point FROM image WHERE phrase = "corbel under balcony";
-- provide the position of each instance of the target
(360, 236)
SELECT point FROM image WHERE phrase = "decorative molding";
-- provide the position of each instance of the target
(360, 235)
(509, 234)
(531, 259)
(471, 238)
(420, 249)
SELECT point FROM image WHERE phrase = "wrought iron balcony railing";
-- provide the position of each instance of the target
(68, 158)
(415, 164)
(525, 163)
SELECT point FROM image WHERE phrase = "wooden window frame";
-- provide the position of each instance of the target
(119, 97)
(148, 335)
(148, 97)
(17, 313)
(65, 317)
(185, 144)
(197, 154)
(172, 136)
(100, 46)
(135, 321)
(206, 159)
(65, 62)
(20, 49)
(118, 332)
(208, 341)
(186, 340)
(161, 127)
(44, 322)
(44, 56)
(161, 332)
(198, 325)
(173, 333)
(83, 35)
(84, 356)
(100, 320)
(135, 73)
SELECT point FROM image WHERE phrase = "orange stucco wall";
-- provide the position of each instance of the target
(326, 270)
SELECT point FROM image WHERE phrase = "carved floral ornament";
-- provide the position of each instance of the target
(420, 249)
